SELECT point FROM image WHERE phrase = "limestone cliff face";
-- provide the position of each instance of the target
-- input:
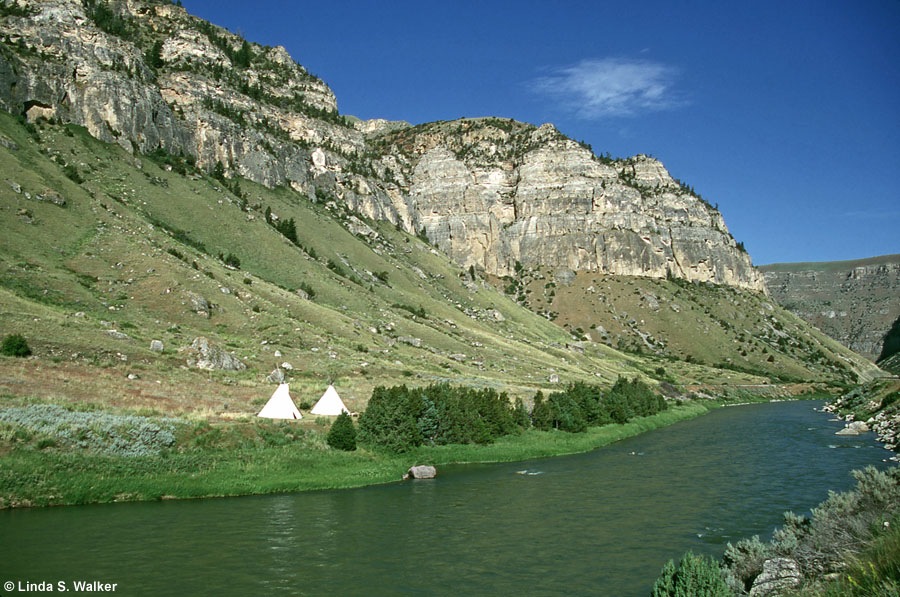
(489, 192)
(854, 302)
(261, 115)
(492, 193)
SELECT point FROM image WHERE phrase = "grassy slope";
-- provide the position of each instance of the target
(671, 321)
(100, 255)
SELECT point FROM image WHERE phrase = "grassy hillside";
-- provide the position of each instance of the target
(679, 324)
(141, 249)
(136, 244)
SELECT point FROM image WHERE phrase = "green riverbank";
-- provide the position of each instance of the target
(256, 457)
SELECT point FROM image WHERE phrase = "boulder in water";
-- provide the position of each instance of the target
(423, 471)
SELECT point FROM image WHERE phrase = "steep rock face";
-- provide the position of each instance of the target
(489, 192)
(492, 193)
(261, 115)
(854, 302)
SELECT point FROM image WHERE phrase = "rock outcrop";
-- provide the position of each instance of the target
(778, 576)
(854, 302)
(207, 355)
(490, 192)
(493, 193)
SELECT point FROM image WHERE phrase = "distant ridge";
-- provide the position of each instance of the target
(854, 301)
(825, 266)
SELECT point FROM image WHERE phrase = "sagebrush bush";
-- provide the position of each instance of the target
(745, 560)
(126, 435)
(694, 576)
(848, 526)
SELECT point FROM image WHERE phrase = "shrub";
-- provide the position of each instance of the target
(857, 522)
(72, 173)
(418, 311)
(745, 560)
(309, 290)
(288, 229)
(695, 576)
(15, 345)
(342, 435)
(231, 260)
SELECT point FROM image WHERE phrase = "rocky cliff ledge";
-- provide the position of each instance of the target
(490, 192)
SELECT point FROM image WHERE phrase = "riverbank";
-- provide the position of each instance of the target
(258, 457)
(877, 404)
(849, 546)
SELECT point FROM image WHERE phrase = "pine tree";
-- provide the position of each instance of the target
(153, 57)
(520, 414)
(429, 422)
(541, 417)
(342, 435)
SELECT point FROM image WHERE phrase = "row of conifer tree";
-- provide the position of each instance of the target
(400, 418)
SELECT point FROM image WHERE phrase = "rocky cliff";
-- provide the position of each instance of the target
(491, 193)
(854, 302)
(495, 193)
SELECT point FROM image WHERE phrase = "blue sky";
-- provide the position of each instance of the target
(785, 114)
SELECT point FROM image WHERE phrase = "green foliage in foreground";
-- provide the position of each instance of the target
(852, 538)
(695, 576)
(257, 457)
(15, 345)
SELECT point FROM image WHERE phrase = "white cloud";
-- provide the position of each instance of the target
(611, 87)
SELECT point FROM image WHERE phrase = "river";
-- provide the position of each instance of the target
(600, 523)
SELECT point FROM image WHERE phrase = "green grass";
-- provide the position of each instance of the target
(258, 458)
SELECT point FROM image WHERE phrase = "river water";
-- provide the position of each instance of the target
(601, 523)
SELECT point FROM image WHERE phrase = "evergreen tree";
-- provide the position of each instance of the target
(153, 56)
(429, 422)
(243, 56)
(566, 414)
(288, 229)
(342, 435)
(390, 419)
(219, 172)
(520, 414)
(541, 416)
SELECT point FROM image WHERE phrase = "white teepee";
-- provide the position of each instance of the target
(280, 405)
(329, 404)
